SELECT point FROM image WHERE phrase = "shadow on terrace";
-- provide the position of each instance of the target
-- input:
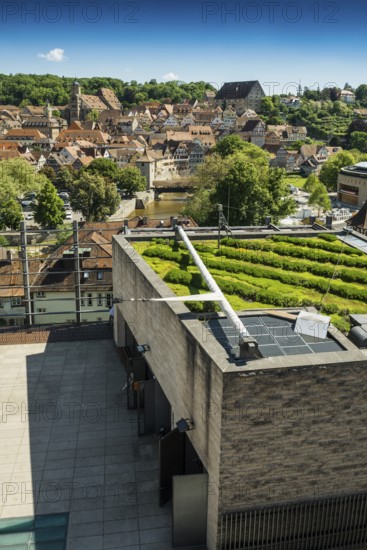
(74, 473)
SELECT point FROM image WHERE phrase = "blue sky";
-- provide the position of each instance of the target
(276, 42)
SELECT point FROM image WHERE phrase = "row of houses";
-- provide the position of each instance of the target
(165, 141)
(308, 160)
(52, 279)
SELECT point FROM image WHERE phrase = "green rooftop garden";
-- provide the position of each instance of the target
(274, 272)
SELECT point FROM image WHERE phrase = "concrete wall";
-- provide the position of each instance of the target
(188, 376)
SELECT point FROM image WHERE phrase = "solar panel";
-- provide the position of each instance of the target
(275, 337)
(355, 242)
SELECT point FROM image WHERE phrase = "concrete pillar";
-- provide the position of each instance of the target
(119, 323)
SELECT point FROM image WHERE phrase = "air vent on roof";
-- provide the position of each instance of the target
(358, 335)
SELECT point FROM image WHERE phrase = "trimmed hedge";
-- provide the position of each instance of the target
(245, 291)
(328, 237)
(298, 251)
(160, 251)
(178, 277)
(312, 243)
(345, 291)
(320, 284)
(349, 275)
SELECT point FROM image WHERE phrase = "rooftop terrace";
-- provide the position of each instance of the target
(68, 445)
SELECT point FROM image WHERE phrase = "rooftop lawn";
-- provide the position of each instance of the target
(278, 271)
(296, 180)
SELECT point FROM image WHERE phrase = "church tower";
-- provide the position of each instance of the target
(75, 101)
(48, 109)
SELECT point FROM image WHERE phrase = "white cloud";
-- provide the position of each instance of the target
(170, 76)
(56, 55)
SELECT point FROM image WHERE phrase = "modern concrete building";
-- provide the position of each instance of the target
(352, 184)
(265, 453)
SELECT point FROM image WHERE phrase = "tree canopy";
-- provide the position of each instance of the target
(10, 214)
(106, 168)
(32, 89)
(320, 198)
(128, 179)
(330, 169)
(358, 140)
(234, 144)
(131, 180)
(49, 210)
(244, 184)
(18, 177)
(94, 196)
(311, 183)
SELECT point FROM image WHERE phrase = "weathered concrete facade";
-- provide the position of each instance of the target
(276, 430)
(178, 358)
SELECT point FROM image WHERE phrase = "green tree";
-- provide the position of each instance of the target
(18, 177)
(94, 196)
(267, 106)
(330, 169)
(131, 180)
(106, 168)
(279, 203)
(92, 115)
(49, 210)
(10, 214)
(208, 173)
(358, 140)
(311, 183)
(65, 177)
(238, 191)
(234, 144)
(319, 198)
(361, 94)
(247, 189)
(201, 206)
(48, 172)
(229, 145)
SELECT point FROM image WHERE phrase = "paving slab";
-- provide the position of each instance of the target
(68, 444)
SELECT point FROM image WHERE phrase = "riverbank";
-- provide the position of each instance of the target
(171, 204)
(129, 206)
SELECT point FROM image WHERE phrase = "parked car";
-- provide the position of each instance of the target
(29, 216)
(26, 202)
(69, 216)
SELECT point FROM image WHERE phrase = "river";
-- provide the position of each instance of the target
(171, 204)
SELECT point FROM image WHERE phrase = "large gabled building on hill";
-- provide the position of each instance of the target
(241, 95)
(81, 105)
